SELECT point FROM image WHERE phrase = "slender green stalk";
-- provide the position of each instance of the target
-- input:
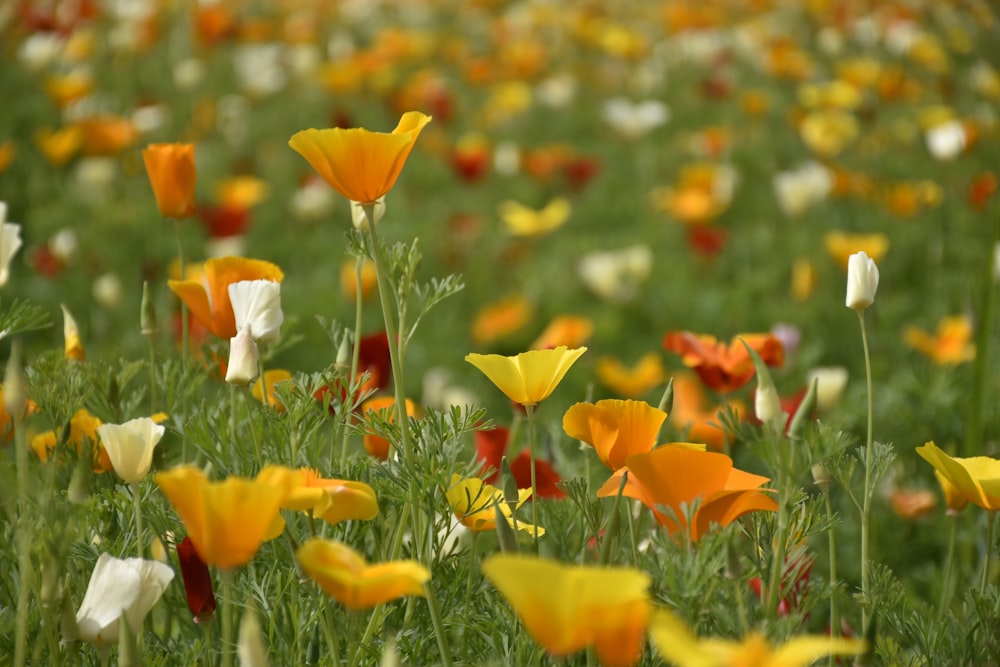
(773, 596)
(949, 566)
(530, 411)
(330, 631)
(832, 546)
(612, 526)
(253, 428)
(438, 626)
(228, 643)
(152, 376)
(24, 573)
(981, 377)
(991, 522)
(137, 506)
(386, 298)
(206, 655)
(866, 603)
(263, 385)
(184, 311)
(355, 351)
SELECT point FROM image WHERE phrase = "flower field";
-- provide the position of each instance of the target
(690, 308)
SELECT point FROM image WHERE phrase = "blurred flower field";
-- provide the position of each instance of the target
(597, 252)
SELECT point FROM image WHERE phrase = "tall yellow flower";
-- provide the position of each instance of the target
(567, 608)
(679, 646)
(976, 479)
(360, 164)
(227, 521)
(344, 575)
(529, 377)
(209, 301)
(172, 174)
(615, 429)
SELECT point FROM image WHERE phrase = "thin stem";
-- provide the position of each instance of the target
(137, 506)
(330, 632)
(612, 526)
(949, 566)
(263, 385)
(984, 338)
(385, 297)
(832, 546)
(24, 573)
(773, 597)
(227, 618)
(866, 603)
(355, 351)
(206, 656)
(530, 411)
(438, 625)
(184, 311)
(253, 428)
(988, 559)
(152, 375)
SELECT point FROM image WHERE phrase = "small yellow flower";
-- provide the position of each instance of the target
(474, 503)
(631, 382)
(344, 575)
(333, 500)
(976, 479)
(523, 221)
(529, 377)
(271, 378)
(950, 346)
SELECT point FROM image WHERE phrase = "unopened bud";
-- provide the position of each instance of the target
(821, 476)
(667, 400)
(15, 393)
(243, 358)
(251, 646)
(505, 534)
(359, 216)
(147, 312)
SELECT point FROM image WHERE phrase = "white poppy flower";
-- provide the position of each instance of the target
(130, 586)
(10, 242)
(130, 446)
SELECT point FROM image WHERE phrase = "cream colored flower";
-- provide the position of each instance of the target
(130, 446)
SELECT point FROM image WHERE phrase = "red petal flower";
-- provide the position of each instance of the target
(197, 581)
(546, 477)
(490, 448)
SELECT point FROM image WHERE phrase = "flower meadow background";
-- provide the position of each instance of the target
(653, 181)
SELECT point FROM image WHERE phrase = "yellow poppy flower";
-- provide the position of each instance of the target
(566, 608)
(333, 500)
(977, 479)
(529, 377)
(840, 246)
(172, 174)
(212, 306)
(950, 346)
(59, 146)
(241, 191)
(679, 646)
(827, 132)
(344, 575)
(71, 337)
(82, 429)
(360, 164)
(631, 381)
(677, 474)
(472, 500)
(271, 378)
(524, 221)
(615, 429)
(227, 521)
(953, 498)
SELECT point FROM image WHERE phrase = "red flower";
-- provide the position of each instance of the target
(795, 581)
(197, 581)
(580, 170)
(373, 358)
(721, 366)
(225, 220)
(707, 241)
(490, 448)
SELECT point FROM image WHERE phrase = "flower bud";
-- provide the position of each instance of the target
(862, 281)
(358, 216)
(243, 358)
(831, 381)
(821, 476)
(251, 647)
(71, 334)
(147, 312)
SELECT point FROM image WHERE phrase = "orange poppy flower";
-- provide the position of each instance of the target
(227, 521)
(349, 279)
(672, 476)
(694, 418)
(724, 367)
(631, 382)
(211, 307)
(950, 346)
(82, 430)
(172, 174)
(912, 503)
(501, 319)
(345, 576)
(566, 608)
(375, 444)
(333, 500)
(615, 429)
(360, 164)
(567, 330)
(107, 135)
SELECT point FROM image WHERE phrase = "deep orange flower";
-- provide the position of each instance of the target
(107, 135)
(212, 307)
(723, 367)
(360, 164)
(913, 503)
(951, 345)
(567, 330)
(172, 174)
(673, 475)
(615, 429)
(501, 319)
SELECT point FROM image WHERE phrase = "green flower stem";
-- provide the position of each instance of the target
(981, 377)
(395, 345)
(949, 565)
(24, 573)
(773, 596)
(263, 386)
(152, 375)
(438, 625)
(330, 632)
(355, 352)
(137, 506)
(228, 643)
(184, 310)
(206, 654)
(530, 411)
(612, 526)
(991, 522)
(866, 603)
(832, 546)
(253, 428)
